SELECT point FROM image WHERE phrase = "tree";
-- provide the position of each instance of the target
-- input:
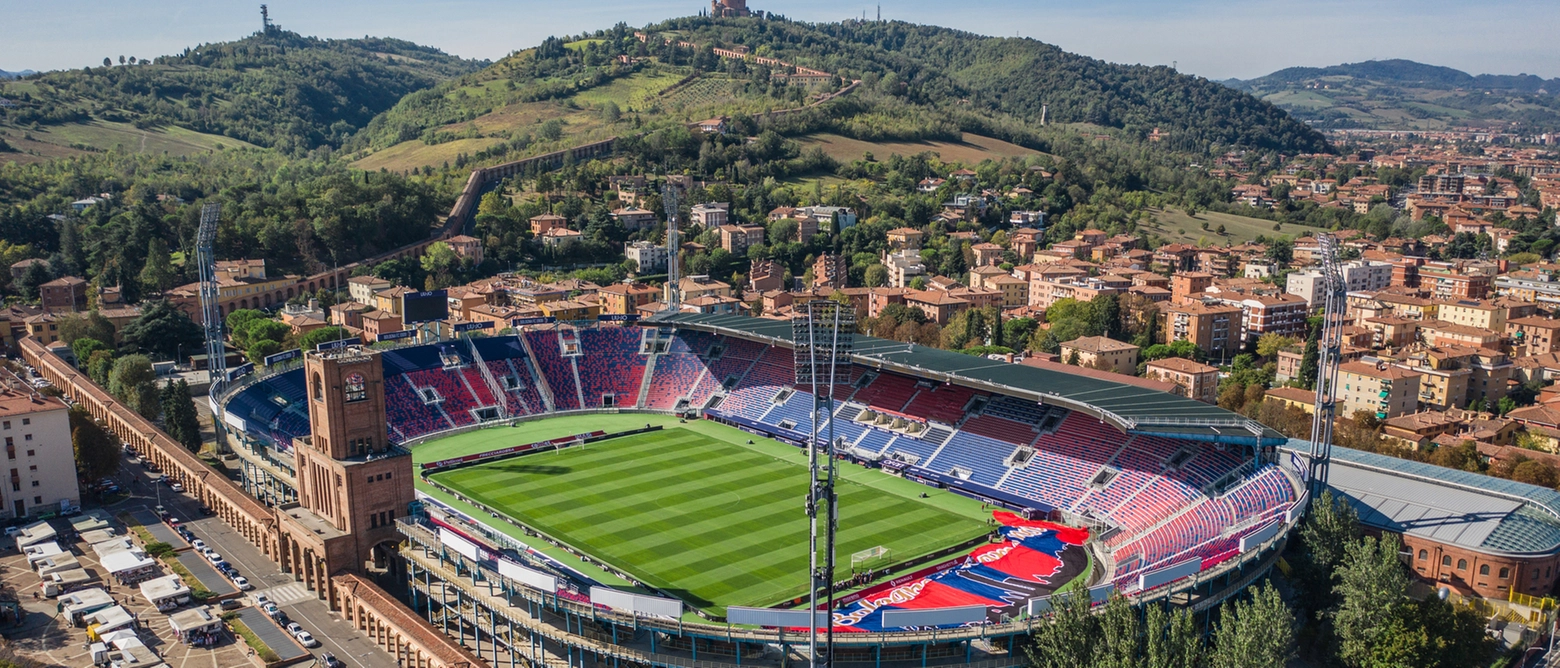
(237, 319)
(99, 365)
(164, 330)
(1118, 635)
(440, 261)
(180, 418)
(1171, 639)
(610, 112)
(261, 329)
(133, 382)
(1310, 360)
(259, 350)
(157, 274)
(1255, 632)
(1272, 342)
(321, 335)
(1329, 527)
(875, 276)
(97, 452)
(90, 325)
(1069, 639)
(37, 274)
(1372, 591)
(108, 62)
(83, 348)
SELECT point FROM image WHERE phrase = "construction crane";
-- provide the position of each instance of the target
(1334, 292)
(673, 247)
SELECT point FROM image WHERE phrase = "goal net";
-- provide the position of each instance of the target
(871, 558)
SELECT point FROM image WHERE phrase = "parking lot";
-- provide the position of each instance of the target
(49, 639)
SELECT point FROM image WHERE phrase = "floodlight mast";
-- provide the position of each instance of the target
(673, 248)
(211, 313)
(823, 336)
(1329, 354)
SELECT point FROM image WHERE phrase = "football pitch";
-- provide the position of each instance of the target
(699, 513)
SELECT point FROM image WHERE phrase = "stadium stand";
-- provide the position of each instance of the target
(557, 370)
(1154, 491)
(982, 457)
(888, 391)
(457, 402)
(1001, 429)
(944, 403)
(611, 364)
(407, 411)
(674, 374)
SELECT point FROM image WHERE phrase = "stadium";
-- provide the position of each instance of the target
(634, 492)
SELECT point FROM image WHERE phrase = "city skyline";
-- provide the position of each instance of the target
(1252, 41)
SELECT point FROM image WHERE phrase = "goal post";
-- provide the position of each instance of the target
(871, 558)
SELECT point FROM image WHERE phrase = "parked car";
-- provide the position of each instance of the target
(261, 600)
(199, 545)
(204, 510)
(304, 638)
(214, 558)
(331, 661)
(242, 583)
(271, 609)
(176, 487)
(232, 604)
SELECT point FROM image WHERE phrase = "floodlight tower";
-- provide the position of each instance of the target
(1329, 349)
(823, 336)
(673, 247)
(211, 311)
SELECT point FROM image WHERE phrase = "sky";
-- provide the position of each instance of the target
(1218, 39)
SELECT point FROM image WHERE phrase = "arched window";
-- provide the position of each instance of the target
(318, 387)
(1462, 564)
(1423, 555)
(1446, 560)
(1505, 573)
(1484, 569)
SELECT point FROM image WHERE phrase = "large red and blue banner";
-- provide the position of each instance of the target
(1033, 559)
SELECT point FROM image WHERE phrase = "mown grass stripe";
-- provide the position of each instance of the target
(718, 521)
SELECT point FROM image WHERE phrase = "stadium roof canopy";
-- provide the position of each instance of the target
(1130, 408)
(1470, 510)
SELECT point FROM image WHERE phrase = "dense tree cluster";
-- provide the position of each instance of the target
(277, 89)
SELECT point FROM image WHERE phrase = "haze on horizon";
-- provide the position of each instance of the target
(1211, 38)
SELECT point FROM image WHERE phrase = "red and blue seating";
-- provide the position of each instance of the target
(673, 376)
(610, 363)
(558, 371)
(888, 391)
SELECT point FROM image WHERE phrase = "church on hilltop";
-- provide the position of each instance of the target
(722, 8)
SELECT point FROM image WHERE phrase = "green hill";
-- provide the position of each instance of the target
(1403, 94)
(276, 89)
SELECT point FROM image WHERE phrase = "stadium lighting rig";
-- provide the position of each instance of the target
(823, 334)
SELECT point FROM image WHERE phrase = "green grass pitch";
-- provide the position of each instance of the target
(706, 518)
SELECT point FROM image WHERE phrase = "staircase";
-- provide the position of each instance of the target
(537, 379)
(492, 383)
(644, 383)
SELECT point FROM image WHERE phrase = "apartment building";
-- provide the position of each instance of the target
(1533, 335)
(38, 452)
(1191, 379)
(1282, 314)
(1213, 328)
(1105, 354)
(1479, 313)
(1379, 388)
(903, 267)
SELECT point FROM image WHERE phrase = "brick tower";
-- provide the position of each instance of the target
(352, 482)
